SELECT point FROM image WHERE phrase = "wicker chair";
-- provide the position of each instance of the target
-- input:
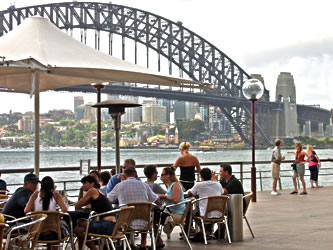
(28, 240)
(143, 211)
(247, 198)
(3, 226)
(53, 224)
(181, 221)
(214, 203)
(119, 231)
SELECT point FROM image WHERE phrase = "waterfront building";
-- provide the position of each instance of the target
(180, 111)
(154, 114)
(90, 113)
(78, 102)
(26, 124)
(79, 112)
(168, 105)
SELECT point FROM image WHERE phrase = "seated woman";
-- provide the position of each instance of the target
(46, 199)
(174, 194)
(100, 204)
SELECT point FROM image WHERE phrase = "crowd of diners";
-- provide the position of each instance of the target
(102, 192)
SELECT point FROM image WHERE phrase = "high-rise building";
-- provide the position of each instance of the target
(78, 101)
(26, 124)
(132, 114)
(154, 114)
(90, 113)
(180, 111)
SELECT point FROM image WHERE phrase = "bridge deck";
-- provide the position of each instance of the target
(281, 222)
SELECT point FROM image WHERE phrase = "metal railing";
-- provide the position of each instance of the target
(243, 175)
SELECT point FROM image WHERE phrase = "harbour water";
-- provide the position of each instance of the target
(11, 159)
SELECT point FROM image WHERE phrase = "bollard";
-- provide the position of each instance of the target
(235, 217)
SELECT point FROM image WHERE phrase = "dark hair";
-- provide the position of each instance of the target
(105, 177)
(149, 170)
(226, 167)
(130, 171)
(113, 171)
(90, 179)
(130, 162)
(277, 142)
(206, 174)
(96, 173)
(47, 186)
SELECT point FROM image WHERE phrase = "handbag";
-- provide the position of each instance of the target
(293, 165)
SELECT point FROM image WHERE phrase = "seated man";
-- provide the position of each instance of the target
(151, 173)
(16, 204)
(133, 190)
(205, 188)
(115, 179)
(229, 182)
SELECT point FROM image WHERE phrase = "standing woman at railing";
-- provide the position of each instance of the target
(314, 165)
(300, 167)
(189, 164)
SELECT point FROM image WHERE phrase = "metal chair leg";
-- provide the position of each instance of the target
(247, 222)
(185, 236)
(227, 230)
(127, 243)
(204, 231)
(153, 242)
(112, 245)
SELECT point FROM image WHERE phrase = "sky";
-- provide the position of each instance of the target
(262, 37)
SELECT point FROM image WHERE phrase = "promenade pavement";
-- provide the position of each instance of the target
(280, 222)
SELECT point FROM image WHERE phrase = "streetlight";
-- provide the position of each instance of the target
(253, 90)
(116, 110)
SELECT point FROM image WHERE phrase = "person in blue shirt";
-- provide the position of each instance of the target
(117, 178)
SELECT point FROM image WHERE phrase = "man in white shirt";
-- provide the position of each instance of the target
(205, 188)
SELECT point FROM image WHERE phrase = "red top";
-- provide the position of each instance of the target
(299, 156)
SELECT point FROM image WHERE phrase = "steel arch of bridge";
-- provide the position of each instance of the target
(192, 54)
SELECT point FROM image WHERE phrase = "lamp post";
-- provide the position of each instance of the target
(253, 90)
(116, 110)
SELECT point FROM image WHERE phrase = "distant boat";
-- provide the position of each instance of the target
(207, 148)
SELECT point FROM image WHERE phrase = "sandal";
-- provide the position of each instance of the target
(294, 192)
(303, 193)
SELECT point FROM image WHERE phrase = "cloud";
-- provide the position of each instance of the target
(315, 50)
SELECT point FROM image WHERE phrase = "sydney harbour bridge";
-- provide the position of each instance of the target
(165, 46)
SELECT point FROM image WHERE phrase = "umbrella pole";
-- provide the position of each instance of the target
(36, 127)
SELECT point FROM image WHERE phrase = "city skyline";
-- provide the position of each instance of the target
(263, 38)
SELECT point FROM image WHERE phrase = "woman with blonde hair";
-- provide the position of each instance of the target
(189, 164)
(300, 167)
(314, 165)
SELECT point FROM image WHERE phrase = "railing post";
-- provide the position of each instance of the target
(260, 181)
(241, 172)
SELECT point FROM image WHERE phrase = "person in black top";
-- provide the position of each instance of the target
(99, 203)
(229, 182)
(16, 204)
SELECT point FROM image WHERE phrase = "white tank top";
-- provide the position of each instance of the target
(39, 204)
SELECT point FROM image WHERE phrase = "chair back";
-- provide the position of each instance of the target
(3, 196)
(52, 222)
(123, 220)
(2, 230)
(142, 211)
(247, 198)
(187, 210)
(216, 203)
(2, 204)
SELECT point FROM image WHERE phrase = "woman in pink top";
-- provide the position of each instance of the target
(314, 165)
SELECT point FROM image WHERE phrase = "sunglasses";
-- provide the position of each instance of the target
(163, 174)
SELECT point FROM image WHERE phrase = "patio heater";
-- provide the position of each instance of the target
(116, 110)
(253, 90)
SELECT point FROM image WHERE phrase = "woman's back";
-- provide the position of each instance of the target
(38, 204)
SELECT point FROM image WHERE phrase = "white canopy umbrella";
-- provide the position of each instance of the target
(37, 56)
